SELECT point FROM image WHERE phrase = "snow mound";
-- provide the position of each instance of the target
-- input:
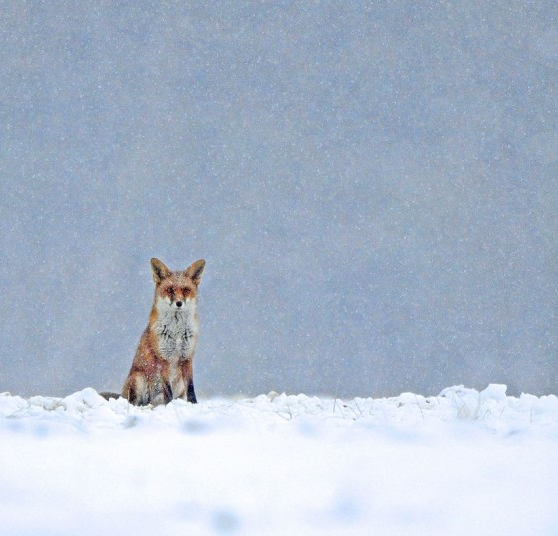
(464, 462)
(490, 409)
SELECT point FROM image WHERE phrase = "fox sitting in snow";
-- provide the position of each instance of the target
(162, 369)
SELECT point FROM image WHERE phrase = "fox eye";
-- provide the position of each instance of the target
(186, 291)
(171, 292)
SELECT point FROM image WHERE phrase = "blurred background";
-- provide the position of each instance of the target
(374, 186)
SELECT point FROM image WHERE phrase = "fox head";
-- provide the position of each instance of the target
(176, 290)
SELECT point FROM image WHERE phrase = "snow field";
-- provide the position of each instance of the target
(462, 463)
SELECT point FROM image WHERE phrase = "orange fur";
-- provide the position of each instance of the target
(162, 369)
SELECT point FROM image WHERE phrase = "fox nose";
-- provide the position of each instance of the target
(179, 304)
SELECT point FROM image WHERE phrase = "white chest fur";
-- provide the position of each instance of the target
(176, 332)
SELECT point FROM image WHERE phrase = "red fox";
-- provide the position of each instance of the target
(162, 369)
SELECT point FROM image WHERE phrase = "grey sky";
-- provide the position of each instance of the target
(373, 185)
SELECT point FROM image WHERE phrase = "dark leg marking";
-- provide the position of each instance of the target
(167, 392)
(191, 396)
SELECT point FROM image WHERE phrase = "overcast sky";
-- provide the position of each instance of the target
(373, 185)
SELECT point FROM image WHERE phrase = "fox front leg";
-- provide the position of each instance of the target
(191, 395)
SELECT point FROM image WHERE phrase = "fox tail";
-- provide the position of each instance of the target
(108, 396)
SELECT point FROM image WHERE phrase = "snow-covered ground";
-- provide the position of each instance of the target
(462, 463)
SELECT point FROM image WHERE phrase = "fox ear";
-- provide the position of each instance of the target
(195, 271)
(159, 270)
